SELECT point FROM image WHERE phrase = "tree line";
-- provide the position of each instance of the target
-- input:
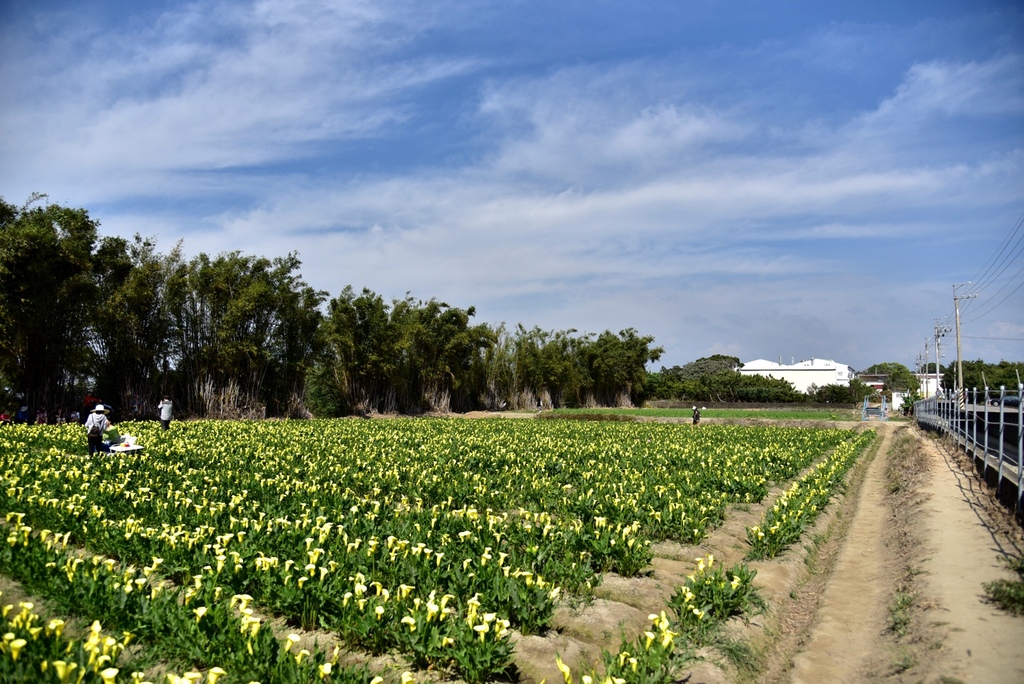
(717, 379)
(237, 335)
(979, 375)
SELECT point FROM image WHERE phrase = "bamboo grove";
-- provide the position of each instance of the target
(237, 335)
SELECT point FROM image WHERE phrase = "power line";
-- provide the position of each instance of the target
(992, 307)
(980, 280)
(1002, 339)
(992, 275)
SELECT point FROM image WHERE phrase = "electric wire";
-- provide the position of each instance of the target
(981, 314)
(1003, 339)
(992, 275)
(980, 281)
(973, 299)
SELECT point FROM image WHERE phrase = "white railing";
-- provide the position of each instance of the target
(988, 428)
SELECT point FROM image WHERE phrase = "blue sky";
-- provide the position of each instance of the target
(759, 179)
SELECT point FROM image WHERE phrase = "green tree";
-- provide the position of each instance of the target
(442, 347)
(854, 393)
(245, 331)
(979, 374)
(899, 377)
(49, 301)
(617, 366)
(132, 334)
(715, 364)
(365, 352)
(407, 356)
(497, 373)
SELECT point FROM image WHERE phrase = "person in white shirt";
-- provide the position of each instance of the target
(95, 425)
(165, 412)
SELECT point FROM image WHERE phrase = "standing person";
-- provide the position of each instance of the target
(95, 425)
(165, 412)
(696, 416)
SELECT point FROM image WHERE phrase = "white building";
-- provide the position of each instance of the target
(803, 374)
(929, 384)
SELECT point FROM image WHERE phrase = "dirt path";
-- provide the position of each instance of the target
(922, 566)
(964, 546)
(849, 621)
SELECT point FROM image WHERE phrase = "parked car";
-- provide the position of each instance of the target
(1011, 400)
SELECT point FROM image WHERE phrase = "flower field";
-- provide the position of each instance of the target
(428, 539)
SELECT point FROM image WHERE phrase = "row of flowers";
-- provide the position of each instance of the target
(452, 544)
(711, 595)
(670, 480)
(209, 630)
(797, 507)
(428, 538)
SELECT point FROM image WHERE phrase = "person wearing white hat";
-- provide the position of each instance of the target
(95, 425)
(696, 416)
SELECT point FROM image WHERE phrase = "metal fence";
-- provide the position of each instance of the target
(987, 426)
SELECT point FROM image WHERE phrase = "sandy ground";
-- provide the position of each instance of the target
(851, 613)
(964, 538)
(940, 548)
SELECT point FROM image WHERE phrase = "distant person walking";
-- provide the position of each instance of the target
(165, 407)
(696, 416)
(95, 425)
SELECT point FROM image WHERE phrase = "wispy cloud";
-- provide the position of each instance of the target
(740, 194)
(220, 86)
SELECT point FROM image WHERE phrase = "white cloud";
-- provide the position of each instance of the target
(636, 192)
(215, 86)
(974, 89)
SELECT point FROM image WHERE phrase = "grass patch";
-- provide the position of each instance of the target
(906, 463)
(1009, 594)
(904, 661)
(568, 414)
(900, 610)
(739, 654)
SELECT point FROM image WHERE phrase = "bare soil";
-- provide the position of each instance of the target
(905, 599)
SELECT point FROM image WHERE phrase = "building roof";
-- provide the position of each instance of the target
(807, 364)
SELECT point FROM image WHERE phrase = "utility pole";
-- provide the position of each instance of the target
(922, 366)
(961, 396)
(941, 330)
